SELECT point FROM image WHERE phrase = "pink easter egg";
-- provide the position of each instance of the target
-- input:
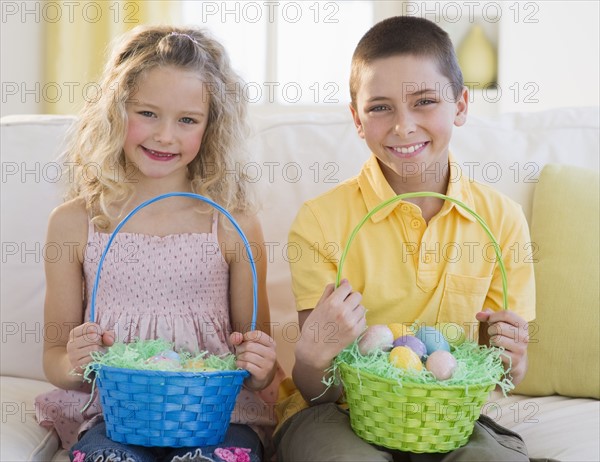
(378, 336)
(441, 364)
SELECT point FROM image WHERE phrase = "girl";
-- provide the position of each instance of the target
(170, 117)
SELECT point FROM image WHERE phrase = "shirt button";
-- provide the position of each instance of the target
(427, 258)
(405, 208)
(415, 223)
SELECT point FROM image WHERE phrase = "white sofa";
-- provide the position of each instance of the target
(297, 155)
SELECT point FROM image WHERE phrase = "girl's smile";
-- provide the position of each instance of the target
(167, 117)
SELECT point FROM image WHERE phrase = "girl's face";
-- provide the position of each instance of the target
(167, 117)
(405, 111)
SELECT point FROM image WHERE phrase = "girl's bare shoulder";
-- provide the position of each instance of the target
(69, 222)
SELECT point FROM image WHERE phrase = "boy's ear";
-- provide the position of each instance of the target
(357, 122)
(462, 108)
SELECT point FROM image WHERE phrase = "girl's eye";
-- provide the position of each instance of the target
(188, 120)
(146, 113)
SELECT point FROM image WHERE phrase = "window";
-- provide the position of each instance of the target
(288, 52)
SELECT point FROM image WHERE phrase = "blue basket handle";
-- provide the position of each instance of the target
(194, 196)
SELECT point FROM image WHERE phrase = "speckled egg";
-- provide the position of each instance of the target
(169, 359)
(441, 364)
(404, 358)
(433, 339)
(413, 343)
(377, 336)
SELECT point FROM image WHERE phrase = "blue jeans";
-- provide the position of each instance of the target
(95, 446)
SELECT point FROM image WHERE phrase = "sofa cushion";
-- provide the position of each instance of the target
(564, 346)
(553, 427)
(22, 438)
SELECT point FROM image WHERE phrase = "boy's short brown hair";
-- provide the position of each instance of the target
(406, 35)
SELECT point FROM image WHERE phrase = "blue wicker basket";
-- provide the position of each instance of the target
(167, 408)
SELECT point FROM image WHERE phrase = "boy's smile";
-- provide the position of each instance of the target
(405, 111)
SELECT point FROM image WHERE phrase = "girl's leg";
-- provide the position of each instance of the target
(95, 446)
(240, 441)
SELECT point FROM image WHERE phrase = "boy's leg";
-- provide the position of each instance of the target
(95, 446)
(322, 433)
(489, 441)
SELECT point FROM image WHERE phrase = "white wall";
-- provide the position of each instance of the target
(21, 31)
(548, 52)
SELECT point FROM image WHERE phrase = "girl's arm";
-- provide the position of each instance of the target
(255, 349)
(63, 307)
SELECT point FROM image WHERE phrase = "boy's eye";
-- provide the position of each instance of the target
(378, 109)
(188, 120)
(425, 102)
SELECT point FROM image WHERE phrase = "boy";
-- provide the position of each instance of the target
(407, 94)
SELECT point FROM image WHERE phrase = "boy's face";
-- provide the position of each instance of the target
(405, 111)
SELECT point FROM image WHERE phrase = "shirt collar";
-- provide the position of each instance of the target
(375, 189)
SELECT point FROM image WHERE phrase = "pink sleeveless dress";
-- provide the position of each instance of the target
(173, 287)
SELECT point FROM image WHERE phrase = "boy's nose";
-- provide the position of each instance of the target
(404, 125)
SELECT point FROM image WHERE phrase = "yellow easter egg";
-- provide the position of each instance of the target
(400, 330)
(194, 364)
(404, 358)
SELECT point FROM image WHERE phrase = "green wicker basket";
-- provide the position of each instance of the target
(414, 417)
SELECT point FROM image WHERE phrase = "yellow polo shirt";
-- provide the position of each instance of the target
(405, 269)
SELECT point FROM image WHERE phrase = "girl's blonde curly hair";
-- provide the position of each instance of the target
(95, 151)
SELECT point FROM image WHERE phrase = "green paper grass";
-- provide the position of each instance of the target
(476, 365)
(135, 355)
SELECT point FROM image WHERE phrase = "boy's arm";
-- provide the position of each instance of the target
(509, 329)
(337, 318)
(341, 310)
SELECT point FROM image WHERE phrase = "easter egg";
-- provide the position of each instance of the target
(400, 330)
(433, 339)
(197, 365)
(168, 359)
(452, 332)
(413, 343)
(404, 358)
(441, 364)
(378, 336)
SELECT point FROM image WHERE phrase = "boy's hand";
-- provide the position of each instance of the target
(508, 330)
(83, 340)
(255, 352)
(337, 320)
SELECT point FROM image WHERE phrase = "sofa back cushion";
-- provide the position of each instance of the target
(565, 341)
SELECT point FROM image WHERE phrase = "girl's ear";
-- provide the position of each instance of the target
(462, 108)
(357, 122)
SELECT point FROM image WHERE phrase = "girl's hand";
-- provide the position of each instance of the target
(255, 352)
(336, 321)
(510, 331)
(83, 340)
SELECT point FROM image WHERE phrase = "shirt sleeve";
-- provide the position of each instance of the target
(518, 255)
(313, 264)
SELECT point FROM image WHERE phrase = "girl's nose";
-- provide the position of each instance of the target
(164, 133)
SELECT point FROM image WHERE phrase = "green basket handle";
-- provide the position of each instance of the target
(399, 197)
(193, 196)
